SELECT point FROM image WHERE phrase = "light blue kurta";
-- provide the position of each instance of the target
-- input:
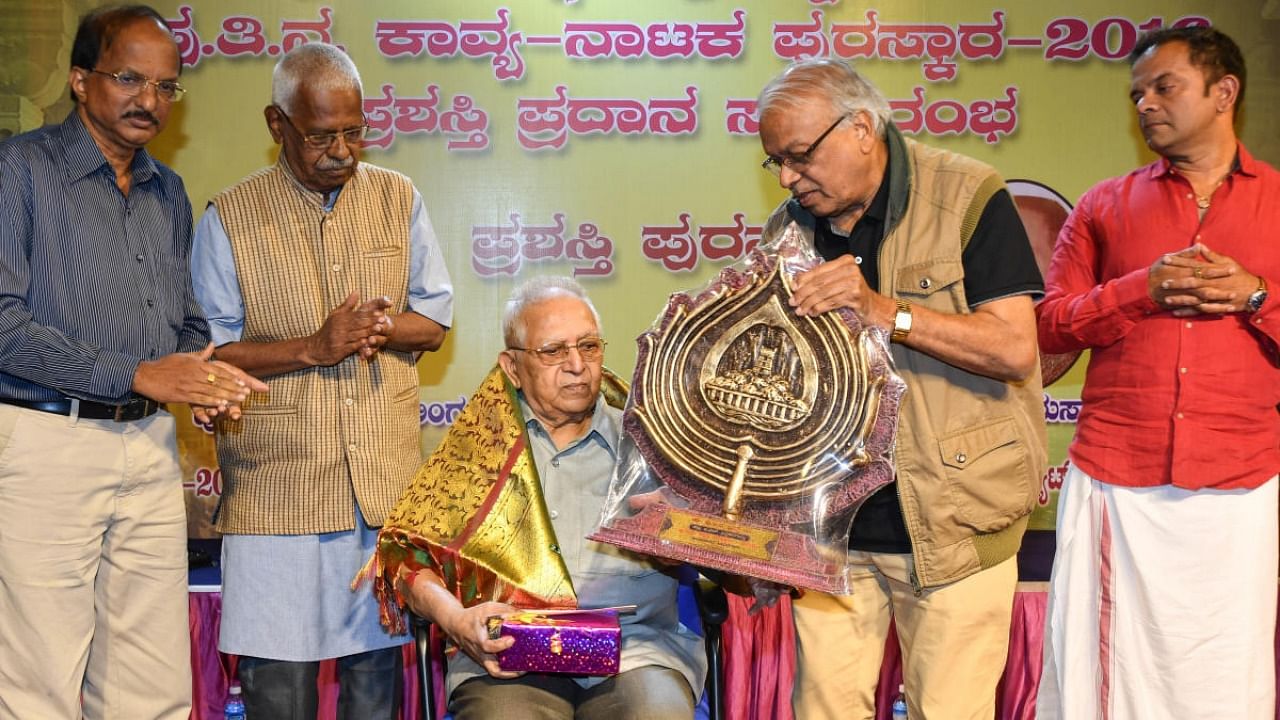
(575, 481)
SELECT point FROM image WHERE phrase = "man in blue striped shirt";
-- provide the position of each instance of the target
(98, 327)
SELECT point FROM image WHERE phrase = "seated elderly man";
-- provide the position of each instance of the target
(496, 520)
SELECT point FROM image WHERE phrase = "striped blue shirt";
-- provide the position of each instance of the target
(91, 282)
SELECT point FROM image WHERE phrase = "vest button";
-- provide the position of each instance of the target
(337, 267)
(926, 283)
(961, 457)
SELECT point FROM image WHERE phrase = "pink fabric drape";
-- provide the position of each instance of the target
(759, 664)
(759, 661)
(212, 672)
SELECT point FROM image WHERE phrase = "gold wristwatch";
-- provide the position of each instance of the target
(901, 321)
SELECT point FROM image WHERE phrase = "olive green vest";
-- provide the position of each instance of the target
(323, 438)
(970, 451)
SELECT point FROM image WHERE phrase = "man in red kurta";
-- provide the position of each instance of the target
(1163, 598)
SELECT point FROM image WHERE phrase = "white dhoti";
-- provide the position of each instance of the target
(1162, 604)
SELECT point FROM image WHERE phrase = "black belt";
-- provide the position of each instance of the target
(135, 409)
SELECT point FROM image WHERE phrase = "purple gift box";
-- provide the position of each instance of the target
(579, 642)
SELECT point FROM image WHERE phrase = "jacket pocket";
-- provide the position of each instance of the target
(940, 277)
(986, 473)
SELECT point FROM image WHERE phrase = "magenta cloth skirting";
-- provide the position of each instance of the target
(759, 663)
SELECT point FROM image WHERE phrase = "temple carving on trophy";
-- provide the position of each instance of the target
(759, 381)
(767, 428)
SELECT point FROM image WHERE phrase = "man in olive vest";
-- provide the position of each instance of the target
(323, 275)
(926, 245)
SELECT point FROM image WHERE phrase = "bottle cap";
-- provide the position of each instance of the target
(234, 690)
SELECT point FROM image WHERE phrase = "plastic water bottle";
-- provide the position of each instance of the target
(899, 711)
(234, 709)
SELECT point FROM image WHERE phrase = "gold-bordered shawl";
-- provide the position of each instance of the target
(475, 515)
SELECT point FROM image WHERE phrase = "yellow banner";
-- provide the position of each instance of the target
(614, 141)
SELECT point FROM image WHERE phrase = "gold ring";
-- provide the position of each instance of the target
(212, 378)
(1198, 272)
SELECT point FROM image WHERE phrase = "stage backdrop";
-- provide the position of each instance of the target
(614, 140)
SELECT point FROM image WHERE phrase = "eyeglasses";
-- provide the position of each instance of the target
(132, 84)
(557, 353)
(353, 137)
(775, 164)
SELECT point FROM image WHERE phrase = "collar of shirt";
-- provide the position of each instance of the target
(324, 201)
(83, 157)
(603, 430)
(1243, 165)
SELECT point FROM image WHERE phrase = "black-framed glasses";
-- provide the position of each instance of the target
(557, 353)
(353, 136)
(775, 164)
(132, 84)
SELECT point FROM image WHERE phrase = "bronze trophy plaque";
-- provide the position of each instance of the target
(767, 429)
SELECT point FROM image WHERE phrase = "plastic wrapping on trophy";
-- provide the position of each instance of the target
(752, 435)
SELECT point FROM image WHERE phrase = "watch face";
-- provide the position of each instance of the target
(1255, 301)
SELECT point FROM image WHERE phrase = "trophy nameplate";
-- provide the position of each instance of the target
(770, 428)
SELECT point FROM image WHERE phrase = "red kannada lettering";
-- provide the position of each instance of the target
(471, 38)
(546, 123)
(543, 242)
(503, 249)
(495, 249)
(793, 41)
(670, 245)
(590, 246)
(989, 119)
(937, 42)
(740, 116)
(674, 248)
(1054, 476)
(241, 35)
(300, 32)
(464, 125)
(661, 40)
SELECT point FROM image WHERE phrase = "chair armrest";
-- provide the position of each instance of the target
(713, 605)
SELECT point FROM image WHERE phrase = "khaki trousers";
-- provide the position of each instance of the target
(954, 639)
(93, 570)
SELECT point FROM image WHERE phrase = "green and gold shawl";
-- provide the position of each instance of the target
(475, 516)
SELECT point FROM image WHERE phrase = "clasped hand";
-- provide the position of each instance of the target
(1199, 281)
(211, 387)
(352, 327)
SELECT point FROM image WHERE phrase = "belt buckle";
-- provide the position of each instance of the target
(135, 409)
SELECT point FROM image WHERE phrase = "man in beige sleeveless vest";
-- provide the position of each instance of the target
(926, 245)
(323, 275)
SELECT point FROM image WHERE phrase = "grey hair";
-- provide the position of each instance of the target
(536, 290)
(319, 65)
(826, 78)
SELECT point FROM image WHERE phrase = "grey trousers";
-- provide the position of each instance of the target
(370, 685)
(645, 693)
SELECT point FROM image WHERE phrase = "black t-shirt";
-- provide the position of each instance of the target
(998, 263)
